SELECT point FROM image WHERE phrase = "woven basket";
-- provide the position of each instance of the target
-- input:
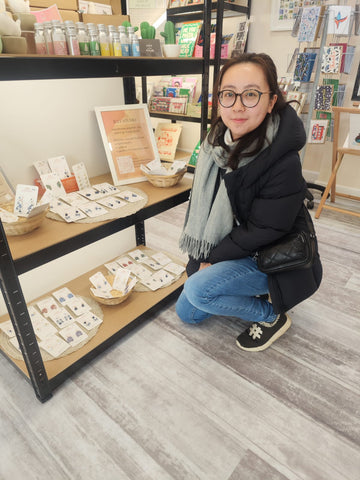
(117, 298)
(23, 225)
(165, 180)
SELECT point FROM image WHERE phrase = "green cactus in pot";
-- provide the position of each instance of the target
(169, 33)
(147, 31)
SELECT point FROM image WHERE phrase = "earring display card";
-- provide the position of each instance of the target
(60, 166)
(25, 199)
(58, 321)
(52, 183)
(81, 175)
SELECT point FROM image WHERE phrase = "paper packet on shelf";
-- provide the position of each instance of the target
(176, 166)
(155, 167)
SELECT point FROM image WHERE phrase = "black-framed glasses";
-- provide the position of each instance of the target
(249, 98)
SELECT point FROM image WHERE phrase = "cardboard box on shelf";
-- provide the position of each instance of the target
(61, 4)
(115, 5)
(65, 14)
(69, 15)
(104, 19)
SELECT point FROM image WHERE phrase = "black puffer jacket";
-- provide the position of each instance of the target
(267, 197)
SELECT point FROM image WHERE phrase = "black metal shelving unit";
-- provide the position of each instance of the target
(206, 11)
(33, 67)
(219, 10)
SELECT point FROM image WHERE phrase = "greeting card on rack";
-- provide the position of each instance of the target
(331, 59)
(343, 56)
(317, 131)
(339, 20)
(326, 116)
(297, 21)
(349, 57)
(323, 97)
(304, 66)
(310, 24)
(335, 83)
(315, 50)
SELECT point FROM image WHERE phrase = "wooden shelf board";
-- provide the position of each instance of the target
(116, 318)
(52, 232)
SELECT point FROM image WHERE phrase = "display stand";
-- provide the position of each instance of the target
(337, 158)
(51, 241)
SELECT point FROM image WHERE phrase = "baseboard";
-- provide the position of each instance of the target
(312, 177)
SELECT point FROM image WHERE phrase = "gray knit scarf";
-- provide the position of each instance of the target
(207, 222)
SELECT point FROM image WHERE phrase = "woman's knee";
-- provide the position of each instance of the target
(194, 290)
(187, 312)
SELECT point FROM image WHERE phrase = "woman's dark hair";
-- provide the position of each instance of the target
(257, 136)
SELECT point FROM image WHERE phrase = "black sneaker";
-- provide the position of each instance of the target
(261, 335)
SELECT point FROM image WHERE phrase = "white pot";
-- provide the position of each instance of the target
(171, 50)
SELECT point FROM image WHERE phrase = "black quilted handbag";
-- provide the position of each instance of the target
(293, 251)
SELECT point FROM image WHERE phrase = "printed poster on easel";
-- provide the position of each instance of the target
(128, 141)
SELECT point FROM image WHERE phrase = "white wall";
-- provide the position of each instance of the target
(46, 118)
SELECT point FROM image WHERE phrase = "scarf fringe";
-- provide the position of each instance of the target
(198, 249)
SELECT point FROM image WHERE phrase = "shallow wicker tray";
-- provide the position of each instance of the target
(23, 225)
(117, 296)
(165, 180)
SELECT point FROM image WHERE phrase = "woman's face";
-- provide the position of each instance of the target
(239, 119)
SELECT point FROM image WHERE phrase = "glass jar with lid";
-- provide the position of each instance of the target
(94, 42)
(48, 38)
(39, 37)
(83, 38)
(104, 41)
(58, 38)
(72, 39)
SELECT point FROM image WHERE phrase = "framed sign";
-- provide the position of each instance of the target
(128, 141)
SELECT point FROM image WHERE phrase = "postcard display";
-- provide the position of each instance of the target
(320, 65)
(64, 322)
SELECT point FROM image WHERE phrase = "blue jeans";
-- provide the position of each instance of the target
(226, 288)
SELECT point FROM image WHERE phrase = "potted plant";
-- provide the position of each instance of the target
(170, 49)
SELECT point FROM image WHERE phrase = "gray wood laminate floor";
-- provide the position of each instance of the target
(173, 401)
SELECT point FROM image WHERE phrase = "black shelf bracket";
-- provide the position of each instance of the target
(19, 315)
(140, 233)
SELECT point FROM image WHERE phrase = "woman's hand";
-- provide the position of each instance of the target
(204, 265)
